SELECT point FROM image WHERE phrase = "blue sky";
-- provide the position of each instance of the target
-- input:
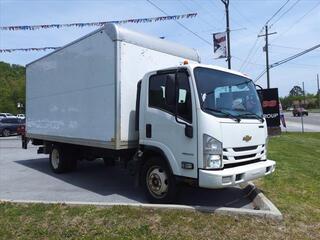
(297, 30)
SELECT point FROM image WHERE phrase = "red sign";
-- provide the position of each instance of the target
(271, 103)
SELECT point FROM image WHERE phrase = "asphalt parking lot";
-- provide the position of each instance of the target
(25, 175)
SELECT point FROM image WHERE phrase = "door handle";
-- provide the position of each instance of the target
(148, 130)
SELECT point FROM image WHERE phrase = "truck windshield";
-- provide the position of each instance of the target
(225, 94)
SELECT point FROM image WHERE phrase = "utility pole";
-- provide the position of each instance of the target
(304, 95)
(318, 91)
(266, 49)
(226, 4)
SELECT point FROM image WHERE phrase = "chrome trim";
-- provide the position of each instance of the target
(230, 155)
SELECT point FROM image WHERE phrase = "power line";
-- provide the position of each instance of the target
(275, 14)
(205, 10)
(182, 25)
(253, 63)
(299, 20)
(276, 64)
(294, 56)
(248, 55)
(255, 43)
(292, 6)
(287, 47)
(202, 19)
(242, 15)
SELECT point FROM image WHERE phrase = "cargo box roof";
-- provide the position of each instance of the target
(119, 33)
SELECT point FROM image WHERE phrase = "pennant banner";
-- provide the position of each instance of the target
(9, 50)
(220, 45)
(98, 24)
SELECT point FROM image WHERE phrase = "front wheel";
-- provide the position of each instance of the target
(6, 133)
(158, 181)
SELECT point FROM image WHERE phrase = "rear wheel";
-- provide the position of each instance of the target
(6, 133)
(109, 161)
(62, 159)
(158, 181)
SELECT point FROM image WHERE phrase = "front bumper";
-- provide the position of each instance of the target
(236, 175)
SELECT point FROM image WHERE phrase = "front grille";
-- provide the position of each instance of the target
(231, 165)
(244, 156)
(240, 149)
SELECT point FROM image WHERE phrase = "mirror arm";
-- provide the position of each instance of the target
(258, 86)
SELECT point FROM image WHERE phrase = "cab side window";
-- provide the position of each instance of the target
(184, 109)
(157, 94)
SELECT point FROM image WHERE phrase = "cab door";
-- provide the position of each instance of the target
(169, 122)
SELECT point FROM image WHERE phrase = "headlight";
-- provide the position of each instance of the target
(212, 153)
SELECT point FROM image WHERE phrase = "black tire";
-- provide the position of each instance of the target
(6, 132)
(158, 181)
(109, 162)
(62, 159)
(72, 159)
(306, 114)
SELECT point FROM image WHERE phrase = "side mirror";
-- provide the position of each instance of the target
(170, 91)
(188, 131)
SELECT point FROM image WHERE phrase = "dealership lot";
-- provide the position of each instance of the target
(25, 175)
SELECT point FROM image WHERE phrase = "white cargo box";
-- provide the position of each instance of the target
(85, 92)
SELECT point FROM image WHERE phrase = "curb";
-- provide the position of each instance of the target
(262, 203)
(264, 208)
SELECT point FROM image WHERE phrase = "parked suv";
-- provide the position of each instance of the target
(10, 125)
(298, 111)
(6, 115)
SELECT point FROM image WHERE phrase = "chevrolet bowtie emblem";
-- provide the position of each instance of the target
(247, 138)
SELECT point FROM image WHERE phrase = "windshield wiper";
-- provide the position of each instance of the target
(236, 118)
(252, 114)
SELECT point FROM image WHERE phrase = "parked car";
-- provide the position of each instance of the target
(21, 116)
(10, 125)
(298, 111)
(6, 115)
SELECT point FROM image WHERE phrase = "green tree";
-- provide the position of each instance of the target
(12, 87)
(296, 91)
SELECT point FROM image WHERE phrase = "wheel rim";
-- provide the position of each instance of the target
(6, 133)
(157, 182)
(55, 158)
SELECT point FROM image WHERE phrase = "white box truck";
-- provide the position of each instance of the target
(119, 94)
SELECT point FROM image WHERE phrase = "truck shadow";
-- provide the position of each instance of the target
(108, 182)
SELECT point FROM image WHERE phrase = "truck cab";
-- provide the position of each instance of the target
(199, 124)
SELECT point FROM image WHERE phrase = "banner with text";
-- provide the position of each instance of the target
(220, 45)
